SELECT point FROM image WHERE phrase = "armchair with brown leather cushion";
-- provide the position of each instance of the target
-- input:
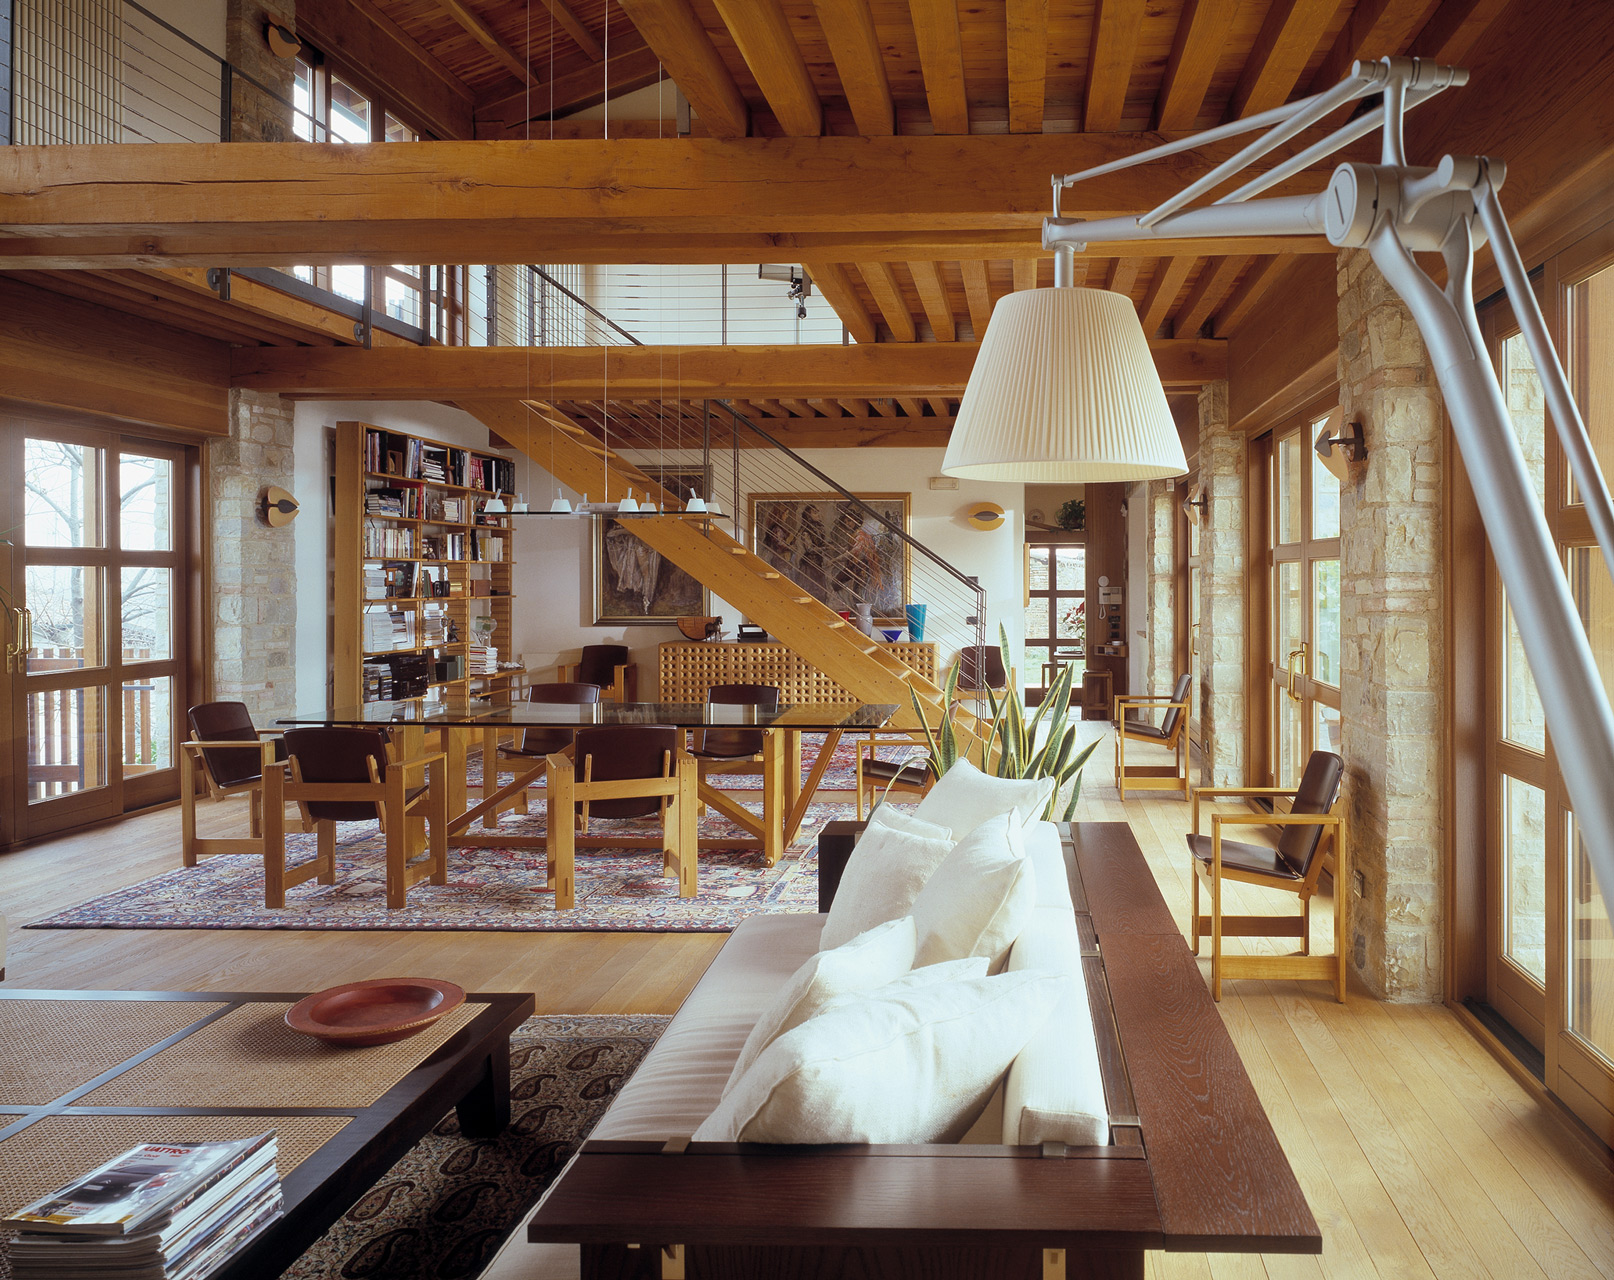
(608, 666)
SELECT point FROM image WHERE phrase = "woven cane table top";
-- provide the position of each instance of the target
(48, 1048)
(251, 1058)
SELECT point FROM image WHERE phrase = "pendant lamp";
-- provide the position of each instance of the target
(1064, 390)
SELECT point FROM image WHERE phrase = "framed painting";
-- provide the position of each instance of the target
(834, 549)
(633, 582)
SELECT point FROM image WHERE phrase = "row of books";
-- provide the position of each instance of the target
(481, 660)
(159, 1211)
(404, 501)
(388, 629)
(386, 453)
(380, 540)
(481, 547)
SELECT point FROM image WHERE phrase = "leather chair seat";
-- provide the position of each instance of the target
(892, 770)
(1143, 729)
(1238, 856)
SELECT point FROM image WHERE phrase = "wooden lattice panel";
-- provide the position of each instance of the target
(687, 671)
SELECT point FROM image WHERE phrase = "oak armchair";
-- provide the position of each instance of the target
(232, 756)
(1171, 733)
(606, 665)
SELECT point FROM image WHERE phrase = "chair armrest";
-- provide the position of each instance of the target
(431, 757)
(1275, 819)
(1244, 791)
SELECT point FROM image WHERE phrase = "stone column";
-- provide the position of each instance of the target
(1222, 697)
(1391, 626)
(1161, 557)
(254, 115)
(254, 602)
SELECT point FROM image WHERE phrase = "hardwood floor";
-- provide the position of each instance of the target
(1419, 1153)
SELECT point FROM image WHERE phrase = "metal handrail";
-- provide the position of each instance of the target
(587, 306)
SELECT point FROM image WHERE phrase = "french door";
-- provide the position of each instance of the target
(96, 595)
(1303, 594)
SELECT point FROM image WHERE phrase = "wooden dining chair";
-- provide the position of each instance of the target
(623, 771)
(1171, 733)
(349, 775)
(529, 751)
(725, 750)
(1294, 866)
(606, 665)
(232, 755)
(875, 778)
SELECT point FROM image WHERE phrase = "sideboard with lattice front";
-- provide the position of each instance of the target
(687, 670)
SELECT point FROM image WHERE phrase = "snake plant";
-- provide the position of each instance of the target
(1017, 745)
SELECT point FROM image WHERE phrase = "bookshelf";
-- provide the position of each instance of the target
(416, 561)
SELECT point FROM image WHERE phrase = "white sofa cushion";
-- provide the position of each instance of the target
(1047, 854)
(979, 898)
(964, 797)
(872, 959)
(889, 865)
(1055, 1089)
(912, 1066)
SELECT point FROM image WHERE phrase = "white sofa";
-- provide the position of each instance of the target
(1054, 1092)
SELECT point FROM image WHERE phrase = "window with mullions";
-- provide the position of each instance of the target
(1056, 611)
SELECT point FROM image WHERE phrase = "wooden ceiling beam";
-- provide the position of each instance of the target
(800, 408)
(1211, 287)
(976, 295)
(518, 116)
(674, 31)
(1163, 290)
(1454, 27)
(941, 56)
(1201, 36)
(883, 407)
(1374, 29)
(857, 408)
(939, 408)
(1027, 31)
(1257, 280)
(870, 372)
(1124, 275)
(1116, 24)
(575, 29)
(841, 293)
(1025, 274)
(763, 36)
(882, 283)
(485, 36)
(932, 292)
(855, 46)
(1291, 31)
(911, 407)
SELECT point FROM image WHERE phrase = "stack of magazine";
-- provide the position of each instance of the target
(159, 1211)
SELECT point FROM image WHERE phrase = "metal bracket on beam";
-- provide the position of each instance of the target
(218, 280)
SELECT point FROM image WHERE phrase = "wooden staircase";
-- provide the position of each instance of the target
(787, 611)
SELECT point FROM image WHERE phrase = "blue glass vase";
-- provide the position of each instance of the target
(916, 621)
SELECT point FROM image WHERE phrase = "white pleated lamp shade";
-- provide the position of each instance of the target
(1064, 389)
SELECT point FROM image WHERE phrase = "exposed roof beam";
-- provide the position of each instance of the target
(672, 29)
(800, 408)
(932, 292)
(1374, 29)
(941, 55)
(1027, 24)
(764, 38)
(1201, 34)
(524, 114)
(1163, 290)
(874, 371)
(887, 293)
(1124, 276)
(1282, 49)
(1211, 287)
(976, 295)
(1453, 28)
(840, 293)
(1109, 63)
(1257, 280)
(419, 52)
(485, 36)
(1025, 274)
(911, 407)
(853, 43)
(939, 408)
(578, 32)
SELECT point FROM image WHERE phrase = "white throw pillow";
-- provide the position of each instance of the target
(915, 1066)
(964, 797)
(980, 898)
(870, 960)
(889, 865)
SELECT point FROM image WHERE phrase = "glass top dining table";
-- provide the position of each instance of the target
(814, 717)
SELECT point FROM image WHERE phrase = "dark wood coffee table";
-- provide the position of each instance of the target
(85, 1075)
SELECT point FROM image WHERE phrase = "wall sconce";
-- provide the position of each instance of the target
(278, 507)
(283, 43)
(1195, 505)
(984, 515)
(1352, 447)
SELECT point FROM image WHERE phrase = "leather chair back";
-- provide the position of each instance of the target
(544, 742)
(229, 722)
(338, 755)
(1168, 726)
(1319, 788)
(738, 743)
(626, 751)
(980, 666)
(599, 663)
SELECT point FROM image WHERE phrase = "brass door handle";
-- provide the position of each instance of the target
(1304, 654)
(1193, 640)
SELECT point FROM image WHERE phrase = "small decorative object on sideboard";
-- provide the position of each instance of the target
(752, 634)
(700, 628)
(916, 621)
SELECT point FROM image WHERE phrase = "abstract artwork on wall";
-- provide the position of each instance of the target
(633, 582)
(835, 549)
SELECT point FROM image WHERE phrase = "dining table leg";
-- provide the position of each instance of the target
(775, 762)
(453, 745)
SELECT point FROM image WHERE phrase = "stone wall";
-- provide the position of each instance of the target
(254, 567)
(1161, 558)
(1392, 674)
(1222, 697)
(255, 116)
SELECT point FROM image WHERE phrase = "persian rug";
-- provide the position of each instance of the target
(840, 776)
(493, 888)
(442, 1211)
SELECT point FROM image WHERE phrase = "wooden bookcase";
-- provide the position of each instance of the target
(473, 552)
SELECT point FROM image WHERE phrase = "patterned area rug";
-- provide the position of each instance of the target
(442, 1211)
(494, 888)
(840, 776)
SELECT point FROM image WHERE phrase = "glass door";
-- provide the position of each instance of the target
(1303, 586)
(95, 653)
(1056, 614)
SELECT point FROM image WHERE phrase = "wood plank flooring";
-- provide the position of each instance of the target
(1421, 1156)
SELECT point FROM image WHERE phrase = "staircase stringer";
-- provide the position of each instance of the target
(789, 613)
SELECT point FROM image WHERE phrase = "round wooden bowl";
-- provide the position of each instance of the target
(695, 628)
(375, 1012)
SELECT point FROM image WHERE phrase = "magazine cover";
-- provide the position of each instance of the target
(132, 1188)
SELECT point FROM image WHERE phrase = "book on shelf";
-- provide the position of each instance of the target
(480, 660)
